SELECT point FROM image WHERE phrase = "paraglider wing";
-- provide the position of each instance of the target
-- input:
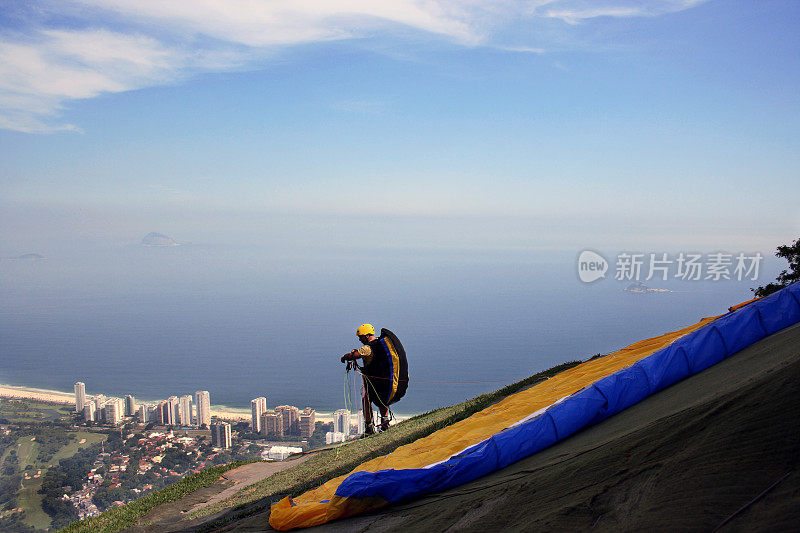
(398, 364)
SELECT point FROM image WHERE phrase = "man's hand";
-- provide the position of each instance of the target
(352, 356)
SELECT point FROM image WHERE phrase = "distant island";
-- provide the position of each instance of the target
(30, 257)
(157, 239)
(639, 287)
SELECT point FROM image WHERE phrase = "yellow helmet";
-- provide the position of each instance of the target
(365, 329)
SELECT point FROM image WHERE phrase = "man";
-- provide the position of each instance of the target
(375, 357)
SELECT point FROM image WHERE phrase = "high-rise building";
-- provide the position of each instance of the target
(99, 407)
(80, 396)
(257, 408)
(174, 405)
(165, 413)
(221, 434)
(360, 423)
(89, 412)
(146, 413)
(114, 410)
(341, 422)
(203, 400)
(162, 413)
(291, 419)
(272, 424)
(307, 422)
(130, 405)
(185, 410)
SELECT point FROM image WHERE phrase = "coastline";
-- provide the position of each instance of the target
(42, 395)
(223, 412)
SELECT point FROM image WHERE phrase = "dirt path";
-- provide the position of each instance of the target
(246, 475)
(168, 517)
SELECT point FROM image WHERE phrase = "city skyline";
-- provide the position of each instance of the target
(283, 420)
(172, 411)
(126, 398)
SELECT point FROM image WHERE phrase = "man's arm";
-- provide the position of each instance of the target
(365, 353)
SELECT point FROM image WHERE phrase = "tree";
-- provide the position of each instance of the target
(790, 252)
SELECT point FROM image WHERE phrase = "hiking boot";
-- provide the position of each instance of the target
(384, 424)
(369, 430)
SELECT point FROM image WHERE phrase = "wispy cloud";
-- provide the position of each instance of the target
(37, 77)
(522, 49)
(85, 48)
(576, 11)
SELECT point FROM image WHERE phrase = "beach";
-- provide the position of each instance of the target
(42, 395)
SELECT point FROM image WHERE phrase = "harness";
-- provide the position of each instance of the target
(388, 367)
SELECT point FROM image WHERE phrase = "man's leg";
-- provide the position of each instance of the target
(384, 417)
(366, 406)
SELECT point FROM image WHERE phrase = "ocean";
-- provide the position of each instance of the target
(245, 322)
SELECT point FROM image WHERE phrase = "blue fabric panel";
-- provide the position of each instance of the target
(525, 439)
(686, 356)
(784, 312)
(703, 348)
(671, 367)
(622, 388)
(498, 451)
(577, 411)
(391, 364)
(741, 328)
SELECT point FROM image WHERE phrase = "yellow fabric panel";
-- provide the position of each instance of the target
(306, 510)
(395, 367)
(737, 306)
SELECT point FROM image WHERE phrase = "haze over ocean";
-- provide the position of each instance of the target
(243, 321)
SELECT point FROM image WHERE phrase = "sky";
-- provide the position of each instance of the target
(659, 125)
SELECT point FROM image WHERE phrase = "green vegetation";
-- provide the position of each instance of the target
(121, 517)
(13, 521)
(35, 459)
(71, 473)
(39, 436)
(10, 518)
(82, 440)
(790, 252)
(27, 451)
(24, 411)
(28, 498)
